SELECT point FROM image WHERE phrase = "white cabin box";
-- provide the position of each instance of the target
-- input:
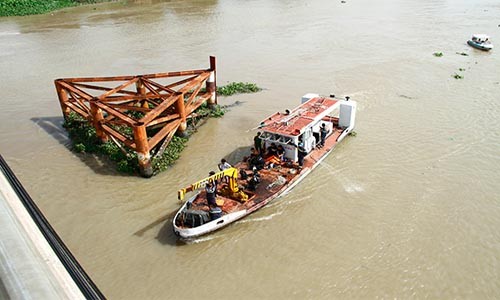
(347, 114)
(308, 97)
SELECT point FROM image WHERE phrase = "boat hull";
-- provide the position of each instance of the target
(190, 233)
(480, 46)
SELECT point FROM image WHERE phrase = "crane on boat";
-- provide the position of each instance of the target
(229, 175)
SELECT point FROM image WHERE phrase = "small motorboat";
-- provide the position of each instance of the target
(481, 42)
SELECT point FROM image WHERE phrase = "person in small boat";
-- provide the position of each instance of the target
(224, 165)
(211, 190)
(323, 132)
(257, 142)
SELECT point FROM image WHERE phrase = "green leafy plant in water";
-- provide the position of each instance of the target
(353, 133)
(204, 111)
(438, 54)
(462, 53)
(171, 154)
(237, 88)
(461, 69)
(34, 7)
(85, 140)
(457, 76)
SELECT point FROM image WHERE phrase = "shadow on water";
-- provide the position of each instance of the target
(238, 154)
(100, 165)
(53, 126)
(166, 234)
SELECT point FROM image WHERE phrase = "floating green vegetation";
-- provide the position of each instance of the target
(204, 111)
(171, 154)
(237, 88)
(458, 76)
(34, 7)
(84, 138)
(461, 69)
(353, 133)
(462, 53)
(438, 54)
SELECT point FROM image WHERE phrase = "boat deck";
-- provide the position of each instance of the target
(269, 186)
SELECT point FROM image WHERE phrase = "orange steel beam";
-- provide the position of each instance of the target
(78, 110)
(160, 108)
(129, 143)
(129, 107)
(118, 88)
(99, 88)
(163, 120)
(79, 101)
(193, 106)
(77, 91)
(163, 133)
(159, 86)
(181, 82)
(116, 113)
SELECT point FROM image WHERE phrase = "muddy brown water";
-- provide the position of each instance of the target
(409, 208)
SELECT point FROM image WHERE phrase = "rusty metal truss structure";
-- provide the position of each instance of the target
(153, 106)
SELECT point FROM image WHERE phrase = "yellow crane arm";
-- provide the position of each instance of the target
(230, 173)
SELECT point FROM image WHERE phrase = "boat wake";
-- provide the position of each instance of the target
(259, 219)
(202, 239)
(348, 185)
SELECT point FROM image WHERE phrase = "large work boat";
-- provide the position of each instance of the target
(304, 137)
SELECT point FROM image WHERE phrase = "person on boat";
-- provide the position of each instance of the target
(281, 152)
(254, 152)
(272, 150)
(254, 180)
(256, 161)
(211, 190)
(224, 165)
(257, 142)
(301, 154)
(323, 132)
(216, 182)
(272, 161)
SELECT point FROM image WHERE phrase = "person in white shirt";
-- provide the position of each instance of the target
(224, 165)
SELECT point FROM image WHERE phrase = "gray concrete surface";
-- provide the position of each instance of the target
(29, 269)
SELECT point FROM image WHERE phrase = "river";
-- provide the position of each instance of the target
(409, 208)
